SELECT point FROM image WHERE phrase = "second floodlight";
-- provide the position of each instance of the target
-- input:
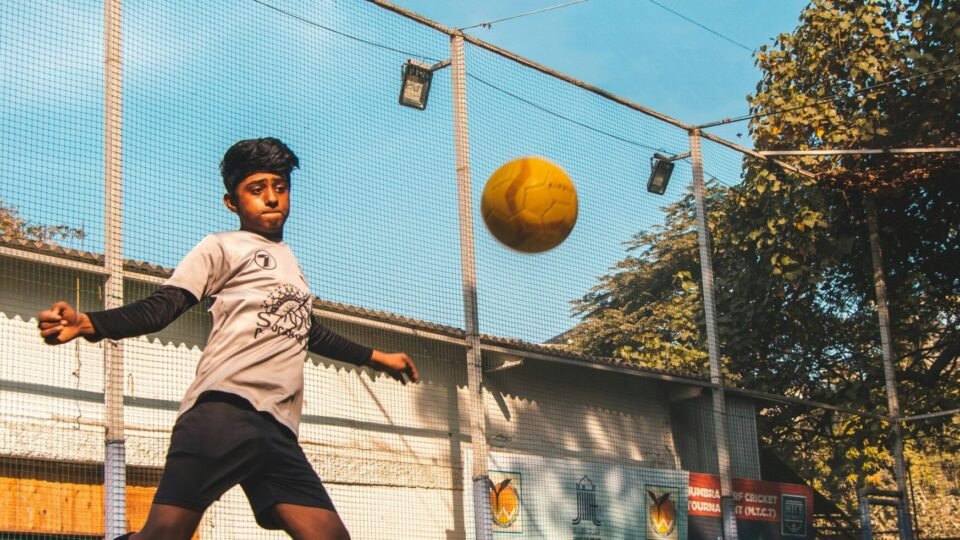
(416, 83)
(661, 167)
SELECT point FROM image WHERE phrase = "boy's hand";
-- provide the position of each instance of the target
(394, 364)
(61, 324)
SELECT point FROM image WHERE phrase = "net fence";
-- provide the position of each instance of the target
(596, 404)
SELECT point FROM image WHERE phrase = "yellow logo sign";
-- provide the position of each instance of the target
(662, 513)
(504, 503)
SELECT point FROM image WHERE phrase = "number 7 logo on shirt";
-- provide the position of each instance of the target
(264, 260)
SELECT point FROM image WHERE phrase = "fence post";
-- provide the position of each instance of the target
(889, 370)
(478, 431)
(727, 509)
(866, 528)
(114, 463)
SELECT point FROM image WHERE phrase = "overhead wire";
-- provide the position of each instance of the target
(587, 126)
(712, 31)
(339, 33)
(827, 99)
(488, 24)
(393, 49)
(562, 117)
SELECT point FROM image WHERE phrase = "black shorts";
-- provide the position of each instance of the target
(223, 441)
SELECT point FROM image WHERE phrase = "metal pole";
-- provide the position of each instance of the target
(889, 371)
(478, 433)
(727, 508)
(114, 464)
(861, 151)
(866, 528)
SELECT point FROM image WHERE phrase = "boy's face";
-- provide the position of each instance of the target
(262, 202)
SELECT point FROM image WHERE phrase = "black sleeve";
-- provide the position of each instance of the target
(151, 314)
(328, 343)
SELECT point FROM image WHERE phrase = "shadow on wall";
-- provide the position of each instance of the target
(564, 411)
(438, 413)
(553, 413)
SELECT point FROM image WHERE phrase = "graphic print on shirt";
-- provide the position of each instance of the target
(286, 312)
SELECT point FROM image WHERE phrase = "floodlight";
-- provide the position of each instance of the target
(661, 167)
(416, 83)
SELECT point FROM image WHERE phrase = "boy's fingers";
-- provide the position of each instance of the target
(412, 370)
(55, 313)
(50, 330)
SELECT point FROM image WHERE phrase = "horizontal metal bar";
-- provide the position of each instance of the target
(750, 152)
(507, 365)
(53, 260)
(144, 278)
(805, 402)
(533, 65)
(858, 151)
(414, 16)
(927, 416)
(882, 502)
(882, 492)
(594, 365)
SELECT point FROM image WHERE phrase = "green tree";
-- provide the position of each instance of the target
(893, 66)
(794, 277)
(648, 310)
(15, 227)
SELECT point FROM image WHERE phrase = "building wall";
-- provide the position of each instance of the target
(692, 422)
(394, 457)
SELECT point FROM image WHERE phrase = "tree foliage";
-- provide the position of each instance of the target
(15, 227)
(794, 275)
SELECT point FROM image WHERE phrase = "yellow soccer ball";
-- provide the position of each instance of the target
(529, 204)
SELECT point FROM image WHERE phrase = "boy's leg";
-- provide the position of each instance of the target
(310, 523)
(167, 522)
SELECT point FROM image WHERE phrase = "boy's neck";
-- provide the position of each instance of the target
(278, 237)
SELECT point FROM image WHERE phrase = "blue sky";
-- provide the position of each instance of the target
(375, 218)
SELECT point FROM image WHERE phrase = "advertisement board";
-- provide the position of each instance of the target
(571, 499)
(537, 497)
(768, 510)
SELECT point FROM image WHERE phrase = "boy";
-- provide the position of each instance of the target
(239, 419)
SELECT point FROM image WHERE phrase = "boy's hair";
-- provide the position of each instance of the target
(256, 155)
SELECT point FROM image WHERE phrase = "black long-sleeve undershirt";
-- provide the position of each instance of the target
(157, 311)
(146, 316)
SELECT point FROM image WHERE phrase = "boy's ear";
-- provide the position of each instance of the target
(229, 202)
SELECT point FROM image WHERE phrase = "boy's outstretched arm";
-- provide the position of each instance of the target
(394, 364)
(62, 323)
(324, 341)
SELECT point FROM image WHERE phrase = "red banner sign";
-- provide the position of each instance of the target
(754, 500)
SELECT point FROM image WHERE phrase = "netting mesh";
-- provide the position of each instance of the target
(596, 406)
(605, 148)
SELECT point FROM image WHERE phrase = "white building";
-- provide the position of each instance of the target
(394, 457)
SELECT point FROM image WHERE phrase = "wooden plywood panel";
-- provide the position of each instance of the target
(48, 507)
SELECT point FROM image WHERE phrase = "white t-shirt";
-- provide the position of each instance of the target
(261, 319)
